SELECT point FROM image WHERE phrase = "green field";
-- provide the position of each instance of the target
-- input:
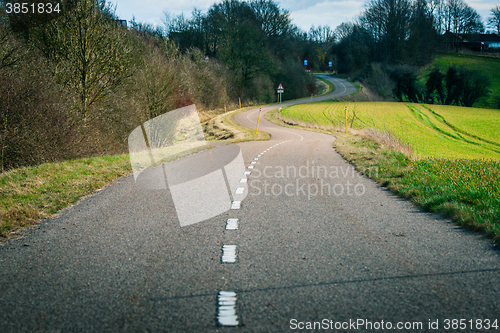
(454, 166)
(488, 66)
(430, 130)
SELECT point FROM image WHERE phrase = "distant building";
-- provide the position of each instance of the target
(473, 42)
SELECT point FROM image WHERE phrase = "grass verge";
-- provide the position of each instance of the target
(465, 190)
(223, 129)
(32, 193)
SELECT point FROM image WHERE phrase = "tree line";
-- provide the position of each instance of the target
(257, 41)
(76, 82)
(388, 43)
(402, 32)
(455, 86)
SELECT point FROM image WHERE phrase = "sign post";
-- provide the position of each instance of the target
(280, 91)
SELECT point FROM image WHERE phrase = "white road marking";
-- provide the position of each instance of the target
(227, 309)
(246, 173)
(250, 115)
(228, 254)
(232, 224)
(227, 299)
(276, 129)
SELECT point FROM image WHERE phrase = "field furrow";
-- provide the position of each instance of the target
(430, 130)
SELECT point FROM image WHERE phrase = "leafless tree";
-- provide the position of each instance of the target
(494, 19)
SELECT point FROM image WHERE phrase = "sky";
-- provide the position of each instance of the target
(304, 13)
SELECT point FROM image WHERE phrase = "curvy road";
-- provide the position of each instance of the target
(314, 247)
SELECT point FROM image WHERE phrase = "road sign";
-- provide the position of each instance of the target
(280, 89)
(330, 64)
(305, 62)
(207, 58)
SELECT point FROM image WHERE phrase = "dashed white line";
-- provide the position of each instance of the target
(232, 224)
(236, 205)
(246, 173)
(228, 254)
(240, 190)
(243, 180)
(227, 309)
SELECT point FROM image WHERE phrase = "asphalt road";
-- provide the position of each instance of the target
(316, 242)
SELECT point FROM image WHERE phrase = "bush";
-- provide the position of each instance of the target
(465, 87)
(35, 126)
(405, 80)
(376, 79)
(206, 82)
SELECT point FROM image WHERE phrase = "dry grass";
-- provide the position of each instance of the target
(383, 137)
(387, 140)
(224, 129)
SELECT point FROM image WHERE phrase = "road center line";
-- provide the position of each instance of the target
(228, 254)
(227, 309)
(232, 224)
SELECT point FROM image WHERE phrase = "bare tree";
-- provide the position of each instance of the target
(389, 23)
(91, 52)
(494, 19)
(322, 35)
(11, 50)
(460, 18)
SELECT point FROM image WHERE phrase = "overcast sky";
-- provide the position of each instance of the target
(305, 13)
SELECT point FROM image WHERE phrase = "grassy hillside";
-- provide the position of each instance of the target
(488, 66)
(430, 130)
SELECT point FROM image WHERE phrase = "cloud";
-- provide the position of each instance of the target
(331, 13)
